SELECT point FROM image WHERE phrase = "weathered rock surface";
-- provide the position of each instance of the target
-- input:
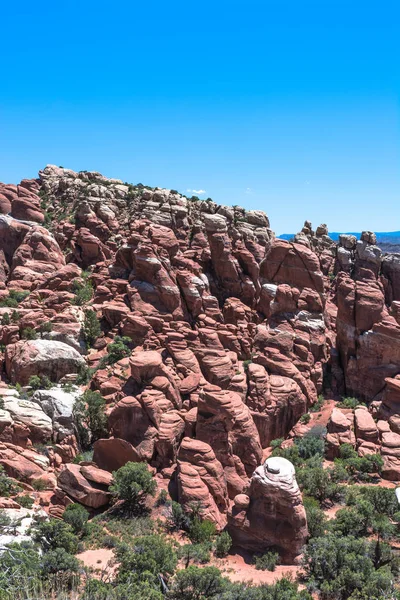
(41, 357)
(274, 515)
(90, 491)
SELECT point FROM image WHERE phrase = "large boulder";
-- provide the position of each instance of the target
(31, 415)
(274, 515)
(58, 405)
(90, 490)
(41, 357)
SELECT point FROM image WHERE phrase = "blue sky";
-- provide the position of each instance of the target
(291, 107)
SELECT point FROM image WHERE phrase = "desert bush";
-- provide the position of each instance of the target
(350, 402)
(77, 516)
(29, 334)
(118, 349)
(39, 382)
(25, 501)
(195, 583)
(195, 553)
(267, 562)
(133, 483)
(150, 554)
(201, 531)
(7, 485)
(83, 291)
(91, 327)
(54, 534)
(90, 418)
(223, 544)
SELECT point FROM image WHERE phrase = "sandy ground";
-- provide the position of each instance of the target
(239, 567)
(100, 560)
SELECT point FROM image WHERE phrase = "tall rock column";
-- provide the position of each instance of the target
(271, 515)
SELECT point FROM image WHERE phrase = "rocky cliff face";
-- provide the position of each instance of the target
(232, 335)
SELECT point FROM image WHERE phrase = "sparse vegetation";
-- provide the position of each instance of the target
(90, 418)
(133, 483)
(267, 562)
(91, 327)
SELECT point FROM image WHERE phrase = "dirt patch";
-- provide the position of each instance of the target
(101, 560)
(238, 567)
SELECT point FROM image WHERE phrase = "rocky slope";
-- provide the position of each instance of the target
(230, 336)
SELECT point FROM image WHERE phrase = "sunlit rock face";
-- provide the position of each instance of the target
(271, 514)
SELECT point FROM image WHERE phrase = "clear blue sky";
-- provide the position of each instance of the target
(291, 107)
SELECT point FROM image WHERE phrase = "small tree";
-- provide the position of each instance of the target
(55, 534)
(90, 418)
(6, 319)
(91, 327)
(29, 333)
(201, 531)
(195, 583)
(267, 562)
(223, 544)
(7, 485)
(59, 560)
(41, 382)
(77, 516)
(118, 349)
(133, 483)
(83, 291)
(151, 555)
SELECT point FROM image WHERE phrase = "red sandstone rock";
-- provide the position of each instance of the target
(73, 482)
(275, 515)
(201, 479)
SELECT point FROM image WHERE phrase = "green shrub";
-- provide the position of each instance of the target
(91, 327)
(350, 402)
(95, 589)
(337, 567)
(195, 553)
(83, 291)
(58, 560)
(195, 583)
(5, 521)
(39, 485)
(77, 516)
(201, 531)
(317, 483)
(90, 418)
(41, 382)
(14, 298)
(317, 406)
(178, 518)
(223, 544)
(118, 349)
(46, 327)
(6, 319)
(29, 334)
(150, 554)
(133, 483)
(306, 418)
(7, 486)
(20, 563)
(316, 519)
(359, 468)
(54, 534)
(267, 562)
(277, 443)
(162, 498)
(25, 501)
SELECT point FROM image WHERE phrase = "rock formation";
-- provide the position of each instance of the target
(271, 514)
(206, 336)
